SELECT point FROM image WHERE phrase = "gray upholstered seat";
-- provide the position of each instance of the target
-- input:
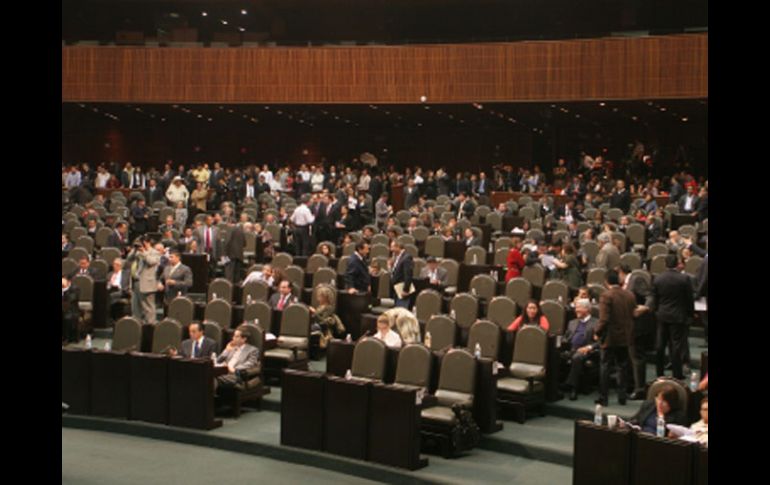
(428, 303)
(466, 308)
(86, 286)
(167, 334)
(316, 262)
(519, 290)
(414, 366)
(369, 359)
(555, 313)
(483, 286)
(555, 290)
(219, 311)
(181, 309)
(501, 311)
(213, 331)
(487, 335)
(260, 312)
(222, 288)
(442, 332)
(524, 387)
(292, 344)
(324, 276)
(457, 385)
(259, 291)
(127, 335)
(282, 260)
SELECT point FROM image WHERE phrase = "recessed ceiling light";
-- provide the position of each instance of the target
(224, 22)
(602, 104)
(204, 14)
(662, 108)
(685, 119)
(241, 29)
(634, 118)
(244, 12)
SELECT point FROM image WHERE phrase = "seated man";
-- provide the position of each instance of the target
(118, 284)
(579, 344)
(436, 274)
(282, 299)
(198, 346)
(70, 312)
(265, 275)
(238, 356)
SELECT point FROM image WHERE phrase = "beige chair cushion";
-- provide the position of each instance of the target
(86, 306)
(285, 354)
(291, 342)
(519, 386)
(447, 398)
(523, 371)
(439, 413)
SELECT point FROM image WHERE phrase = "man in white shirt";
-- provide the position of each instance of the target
(265, 275)
(177, 192)
(302, 219)
(73, 178)
(364, 180)
(386, 334)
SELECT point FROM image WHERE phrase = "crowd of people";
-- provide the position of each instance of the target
(316, 203)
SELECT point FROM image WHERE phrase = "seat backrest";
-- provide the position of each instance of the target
(421, 234)
(614, 214)
(414, 365)
(501, 257)
(633, 260)
(181, 309)
(656, 249)
(527, 213)
(86, 286)
(68, 266)
(316, 262)
(596, 291)
(342, 264)
(476, 255)
(86, 243)
(379, 239)
(295, 321)
(434, 246)
(411, 250)
(442, 332)
(487, 335)
(556, 315)
(536, 234)
(379, 250)
(662, 381)
(213, 331)
(332, 247)
(555, 290)
(275, 233)
(529, 353)
(77, 232)
(658, 264)
(418, 265)
(692, 265)
(504, 242)
(535, 274)
(260, 312)
(596, 276)
(259, 291)
(296, 276)
(591, 249)
(101, 267)
(428, 303)
(483, 286)
(219, 311)
(519, 290)
(466, 308)
(167, 333)
(383, 288)
(101, 236)
(127, 335)
(640, 273)
(109, 255)
(457, 379)
(501, 311)
(78, 253)
(347, 250)
(495, 220)
(324, 276)
(282, 260)
(635, 233)
(406, 239)
(222, 288)
(452, 268)
(369, 358)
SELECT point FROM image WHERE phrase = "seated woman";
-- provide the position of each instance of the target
(324, 318)
(531, 316)
(326, 250)
(701, 428)
(405, 323)
(385, 333)
(665, 404)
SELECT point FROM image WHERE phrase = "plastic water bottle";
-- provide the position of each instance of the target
(473, 291)
(248, 299)
(491, 247)
(661, 428)
(178, 293)
(213, 357)
(475, 259)
(427, 339)
(348, 375)
(213, 296)
(89, 342)
(477, 351)
(694, 381)
(561, 299)
(598, 415)
(108, 346)
(348, 338)
(334, 283)
(453, 314)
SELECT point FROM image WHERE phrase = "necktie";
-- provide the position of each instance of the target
(196, 349)
(208, 240)
(281, 302)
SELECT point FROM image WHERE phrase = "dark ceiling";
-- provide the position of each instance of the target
(381, 21)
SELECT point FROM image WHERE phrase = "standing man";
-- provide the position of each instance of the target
(357, 278)
(177, 277)
(672, 302)
(615, 331)
(644, 328)
(207, 237)
(234, 246)
(382, 210)
(70, 311)
(302, 218)
(401, 273)
(148, 259)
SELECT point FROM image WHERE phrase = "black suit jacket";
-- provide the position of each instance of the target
(207, 348)
(357, 274)
(589, 335)
(621, 201)
(235, 244)
(672, 297)
(113, 241)
(125, 280)
(402, 272)
(648, 407)
(152, 196)
(69, 304)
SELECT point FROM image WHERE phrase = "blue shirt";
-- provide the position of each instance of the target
(579, 337)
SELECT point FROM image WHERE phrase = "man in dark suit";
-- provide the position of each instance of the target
(411, 194)
(177, 278)
(153, 193)
(435, 274)
(689, 203)
(672, 302)
(198, 346)
(702, 291)
(461, 185)
(464, 206)
(284, 298)
(207, 236)
(620, 198)
(70, 311)
(644, 328)
(576, 189)
(401, 272)
(234, 246)
(470, 238)
(481, 187)
(84, 268)
(357, 278)
(579, 344)
(676, 192)
(615, 331)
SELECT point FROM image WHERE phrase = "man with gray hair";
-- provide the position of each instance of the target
(578, 345)
(609, 256)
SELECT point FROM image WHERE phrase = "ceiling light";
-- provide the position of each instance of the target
(602, 104)
(204, 14)
(685, 119)
(244, 12)
(662, 108)
(241, 29)
(224, 22)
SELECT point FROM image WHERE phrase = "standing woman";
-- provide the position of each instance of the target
(199, 197)
(515, 262)
(568, 267)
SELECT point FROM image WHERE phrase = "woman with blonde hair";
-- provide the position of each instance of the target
(324, 318)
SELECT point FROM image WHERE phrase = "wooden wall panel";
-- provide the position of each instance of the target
(610, 68)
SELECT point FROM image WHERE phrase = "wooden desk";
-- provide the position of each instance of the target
(662, 461)
(149, 387)
(346, 417)
(455, 250)
(350, 308)
(302, 409)
(601, 455)
(394, 427)
(110, 384)
(101, 303)
(191, 393)
(76, 380)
